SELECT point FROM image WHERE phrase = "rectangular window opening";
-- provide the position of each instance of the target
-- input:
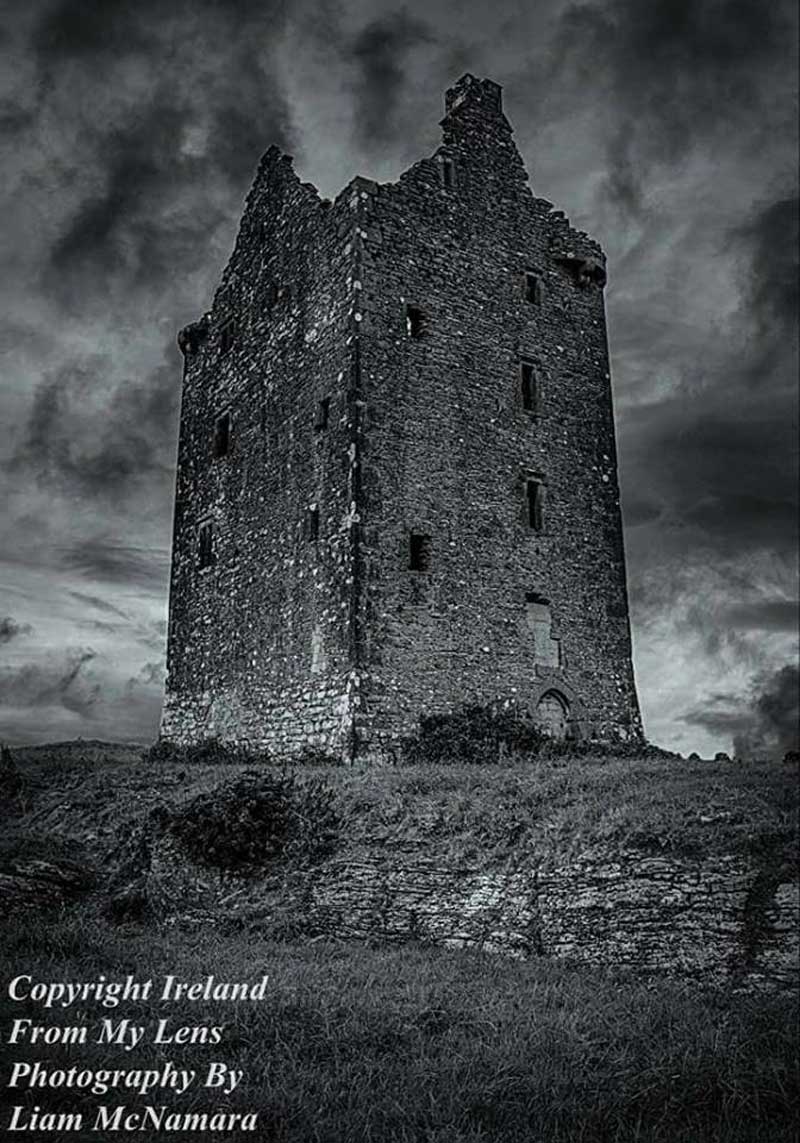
(448, 172)
(419, 552)
(531, 387)
(205, 545)
(534, 288)
(536, 492)
(537, 610)
(312, 524)
(322, 414)
(222, 435)
(546, 648)
(413, 321)
(227, 335)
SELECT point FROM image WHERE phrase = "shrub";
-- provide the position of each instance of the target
(473, 734)
(490, 734)
(259, 818)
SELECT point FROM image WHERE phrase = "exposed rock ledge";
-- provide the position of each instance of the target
(719, 919)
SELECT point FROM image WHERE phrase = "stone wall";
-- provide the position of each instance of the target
(449, 443)
(259, 639)
(717, 919)
(321, 430)
(611, 909)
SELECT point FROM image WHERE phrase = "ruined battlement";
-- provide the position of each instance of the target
(470, 93)
(397, 482)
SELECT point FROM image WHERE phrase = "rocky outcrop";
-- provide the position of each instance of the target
(722, 919)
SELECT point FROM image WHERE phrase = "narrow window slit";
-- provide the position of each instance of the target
(227, 335)
(322, 414)
(419, 552)
(448, 172)
(531, 387)
(536, 492)
(413, 321)
(222, 435)
(205, 545)
(534, 288)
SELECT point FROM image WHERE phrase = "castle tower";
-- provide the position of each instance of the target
(397, 479)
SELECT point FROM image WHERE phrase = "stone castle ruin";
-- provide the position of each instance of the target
(397, 480)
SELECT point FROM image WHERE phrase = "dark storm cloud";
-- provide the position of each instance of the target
(722, 714)
(10, 629)
(676, 71)
(109, 562)
(722, 479)
(43, 699)
(380, 53)
(130, 231)
(776, 708)
(91, 28)
(86, 434)
(774, 722)
(58, 682)
(766, 725)
(14, 118)
(148, 123)
(714, 463)
(773, 289)
(178, 100)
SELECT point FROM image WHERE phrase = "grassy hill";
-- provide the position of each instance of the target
(371, 1041)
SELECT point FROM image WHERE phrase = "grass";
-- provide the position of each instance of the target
(550, 808)
(377, 1045)
(415, 1044)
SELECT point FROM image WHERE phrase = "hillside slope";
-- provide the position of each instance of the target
(657, 864)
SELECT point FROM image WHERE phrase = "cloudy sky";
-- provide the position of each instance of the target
(130, 130)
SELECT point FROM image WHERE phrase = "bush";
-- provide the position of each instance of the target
(473, 734)
(259, 818)
(491, 734)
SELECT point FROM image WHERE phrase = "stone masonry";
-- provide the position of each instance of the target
(397, 479)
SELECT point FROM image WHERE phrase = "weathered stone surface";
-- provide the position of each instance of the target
(369, 357)
(607, 908)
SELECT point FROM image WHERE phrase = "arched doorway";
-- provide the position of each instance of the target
(552, 714)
